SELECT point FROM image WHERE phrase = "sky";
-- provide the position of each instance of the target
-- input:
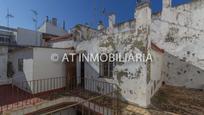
(71, 11)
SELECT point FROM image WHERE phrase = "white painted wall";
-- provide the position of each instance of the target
(44, 68)
(39, 72)
(3, 65)
(28, 37)
(49, 28)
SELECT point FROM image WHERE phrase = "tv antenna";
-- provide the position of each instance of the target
(35, 20)
(8, 16)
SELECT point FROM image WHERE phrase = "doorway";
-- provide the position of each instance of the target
(71, 80)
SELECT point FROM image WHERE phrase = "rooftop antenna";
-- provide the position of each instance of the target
(35, 20)
(8, 16)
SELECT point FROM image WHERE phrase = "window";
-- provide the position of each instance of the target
(20, 65)
(106, 69)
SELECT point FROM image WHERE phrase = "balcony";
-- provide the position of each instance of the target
(7, 39)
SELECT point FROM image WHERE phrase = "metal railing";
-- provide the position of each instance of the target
(97, 105)
(40, 85)
(100, 97)
(22, 93)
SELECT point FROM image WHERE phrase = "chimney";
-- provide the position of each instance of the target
(166, 3)
(64, 25)
(111, 20)
(54, 21)
(100, 25)
(143, 13)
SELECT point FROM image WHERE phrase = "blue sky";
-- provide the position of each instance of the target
(72, 11)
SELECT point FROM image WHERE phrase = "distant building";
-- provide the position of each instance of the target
(51, 27)
(13, 38)
(34, 63)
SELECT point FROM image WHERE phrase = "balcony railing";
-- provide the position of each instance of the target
(7, 40)
(22, 93)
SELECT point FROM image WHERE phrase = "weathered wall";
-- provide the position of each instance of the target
(177, 30)
(131, 78)
(180, 73)
(83, 32)
(180, 31)
(3, 64)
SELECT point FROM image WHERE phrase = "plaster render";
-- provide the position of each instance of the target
(131, 78)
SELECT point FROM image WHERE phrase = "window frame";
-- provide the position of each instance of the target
(106, 69)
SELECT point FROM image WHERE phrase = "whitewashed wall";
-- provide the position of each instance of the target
(39, 72)
(3, 65)
(179, 31)
(130, 78)
(53, 73)
(177, 72)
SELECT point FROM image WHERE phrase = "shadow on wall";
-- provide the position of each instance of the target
(180, 72)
